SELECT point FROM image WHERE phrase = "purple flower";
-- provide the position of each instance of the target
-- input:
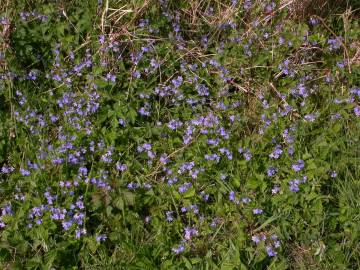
(275, 189)
(183, 188)
(178, 250)
(177, 82)
(298, 166)
(341, 64)
(145, 111)
(80, 204)
(310, 117)
(204, 196)
(187, 166)
(101, 237)
(122, 122)
(7, 169)
(270, 7)
(333, 174)
(227, 152)
(270, 251)
(202, 90)
(334, 44)
(190, 232)
(164, 159)
(247, 4)
(110, 77)
(276, 153)
(357, 111)
(67, 224)
(145, 146)
(294, 185)
(169, 217)
(355, 91)
(83, 171)
(232, 196)
(214, 142)
(213, 157)
(257, 211)
(154, 64)
(277, 244)
(24, 172)
(147, 219)
(313, 21)
(256, 239)
(174, 124)
(291, 150)
(132, 186)
(271, 171)
(136, 74)
(247, 155)
(194, 208)
(32, 75)
(101, 39)
(281, 40)
(151, 154)
(121, 167)
(77, 233)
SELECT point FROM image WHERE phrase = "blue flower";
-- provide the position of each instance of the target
(298, 166)
(178, 250)
(270, 251)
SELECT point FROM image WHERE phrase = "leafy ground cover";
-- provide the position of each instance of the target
(156, 134)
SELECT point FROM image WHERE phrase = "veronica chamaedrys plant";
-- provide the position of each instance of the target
(138, 134)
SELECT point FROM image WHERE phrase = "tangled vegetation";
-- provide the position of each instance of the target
(160, 134)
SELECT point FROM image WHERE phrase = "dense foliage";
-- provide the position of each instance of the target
(161, 134)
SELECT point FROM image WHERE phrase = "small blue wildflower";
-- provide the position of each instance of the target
(310, 117)
(298, 166)
(101, 238)
(136, 74)
(177, 82)
(202, 90)
(122, 122)
(169, 217)
(270, 251)
(183, 188)
(275, 189)
(313, 21)
(276, 153)
(147, 219)
(121, 167)
(257, 211)
(232, 196)
(271, 171)
(256, 239)
(334, 44)
(190, 232)
(24, 172)
(294, 185)
(247, 4)
(247, 155)
(67, 224)
(341, 64)
(357, 111)
(178, 250)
